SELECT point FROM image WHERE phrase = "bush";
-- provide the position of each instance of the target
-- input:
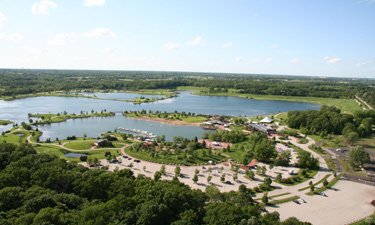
(287, 180)
(83, 158)
(256, 189)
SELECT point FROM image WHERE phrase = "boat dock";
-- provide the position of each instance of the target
(139, 132)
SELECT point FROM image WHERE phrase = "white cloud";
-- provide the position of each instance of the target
(333, 60)
(94, 3)
(43, 7)
(34, 50)
(100, 32)
(273, 46)
(295, 61)
(239, 59)
(11, 37)
(62, 39)
(3, 18)
(261, 60)
(227, 45)
(108, 51)
(360, 64)
(170, 45)
(326, 58)
(195, 41)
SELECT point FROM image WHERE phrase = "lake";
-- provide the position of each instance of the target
(17, 111)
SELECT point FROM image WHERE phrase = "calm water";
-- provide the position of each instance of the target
(17, 111)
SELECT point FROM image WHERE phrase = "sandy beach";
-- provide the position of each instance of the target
(173, 122)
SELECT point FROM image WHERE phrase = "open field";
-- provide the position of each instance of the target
(57, 151)
(5, 122)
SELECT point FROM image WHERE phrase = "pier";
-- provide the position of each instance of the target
(139, 132)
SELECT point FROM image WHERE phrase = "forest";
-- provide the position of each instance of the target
(17, 82)
(43, 189)
(329, 120)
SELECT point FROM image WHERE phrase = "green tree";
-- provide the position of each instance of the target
(265, 198)
(162, 170)
(209, 178)
(222, 178)
(268, 181)
(250, 174)
(157, 175)
(177, 171)
(358, 157)
(195, 178)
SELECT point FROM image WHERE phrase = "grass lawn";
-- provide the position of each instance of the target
(10, 138)
(330, 185)
(277, 202)
(325, 177)
(200, 159)
(348, 169)
(274, 196)
(367, 143)
(5, 122)
(54, 150)
(80, 145)
(331, 164)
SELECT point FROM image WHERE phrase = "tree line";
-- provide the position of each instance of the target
(17, 82)
(43, 189)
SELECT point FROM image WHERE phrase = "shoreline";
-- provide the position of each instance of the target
(173, 122)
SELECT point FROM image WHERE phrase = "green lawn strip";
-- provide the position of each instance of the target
(346, 105)
(302, 179)
(274, 196)
(348, 169)
(367, 143)
(142, 155)
(80, 145)
(280, 201)
(331, 164)
(320, 181)
(5, 122)
(330, 185)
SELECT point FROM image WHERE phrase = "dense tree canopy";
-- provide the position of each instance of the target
(42, 189)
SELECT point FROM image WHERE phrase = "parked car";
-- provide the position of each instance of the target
(296, 201)
(129, 158)
(124, 156)
(228, 182)
(302, 200)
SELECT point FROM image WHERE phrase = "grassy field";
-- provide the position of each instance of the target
(80, 145)
(54, 150)
(347, 169)
(331, 164)
(5, 122)
(200, 159)
(367, 143)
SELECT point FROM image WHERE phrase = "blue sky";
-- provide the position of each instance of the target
(334, 38)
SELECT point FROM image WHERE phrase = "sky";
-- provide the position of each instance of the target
(331, 38)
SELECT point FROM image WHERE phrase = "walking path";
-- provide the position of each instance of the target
(369, 107)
